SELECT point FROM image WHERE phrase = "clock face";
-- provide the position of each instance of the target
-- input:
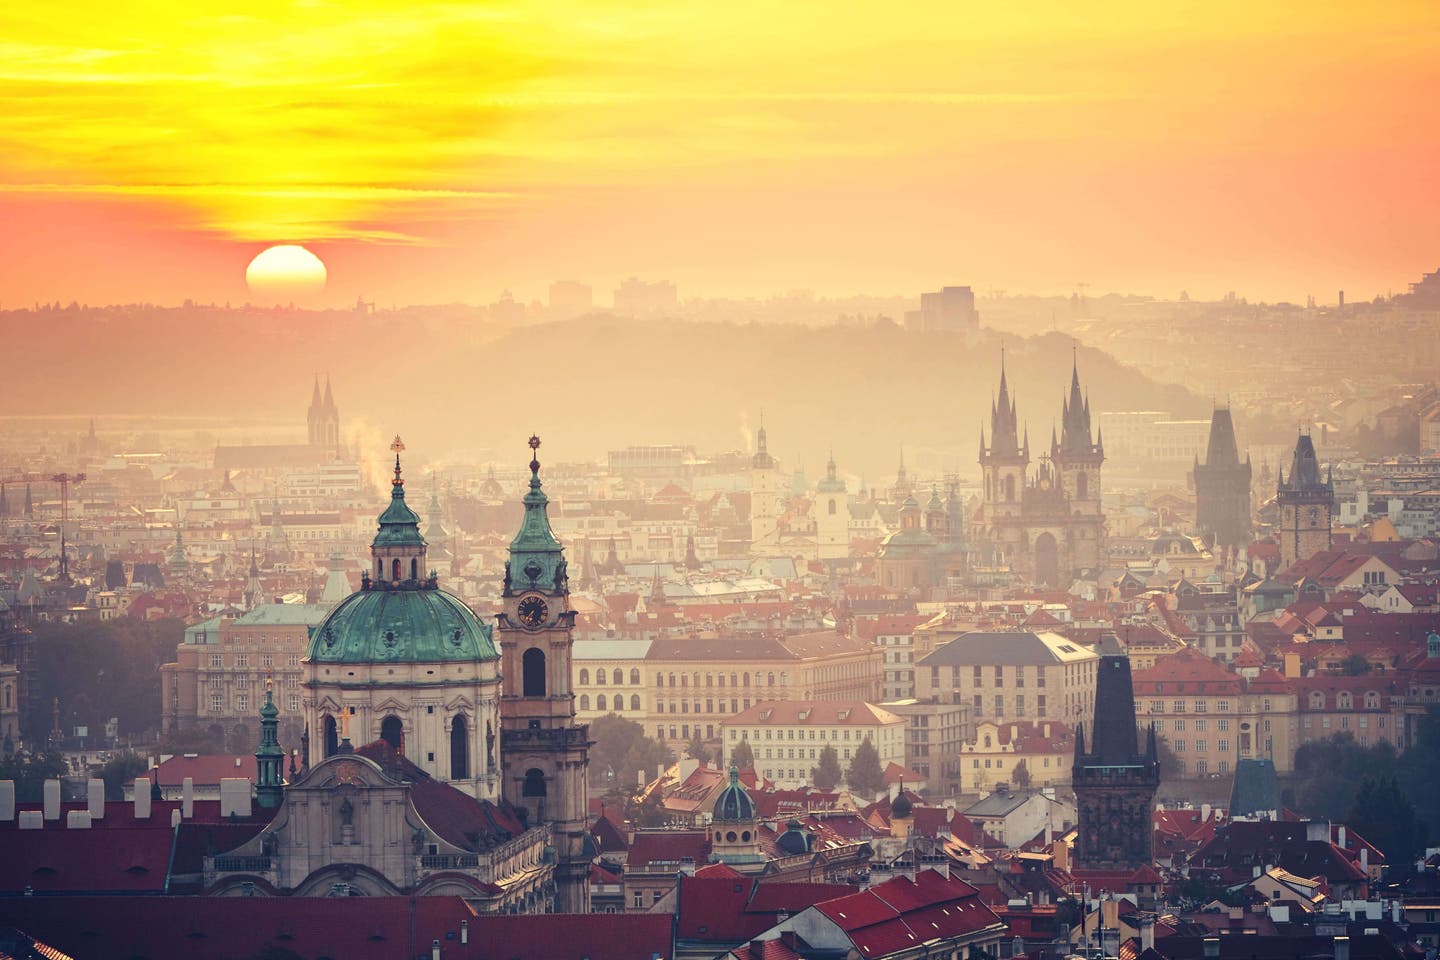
(532, 611)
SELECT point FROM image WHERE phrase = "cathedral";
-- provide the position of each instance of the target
(435, 760)
(1046, 526)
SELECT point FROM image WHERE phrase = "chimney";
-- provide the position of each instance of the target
(1365, 859)
(1046, 731)
(1147, 932)
(464, 931)
(1014, 732)
(1212, 948)
(95, 799)
(77, 820)
(234, 797)
(187, 797)
(434, 950)
(1341, 831)
(1317, 830)
(1342, 948)
(7, 800)
(1204, 812)
(174, 818)
(142, 798)
(52, 800)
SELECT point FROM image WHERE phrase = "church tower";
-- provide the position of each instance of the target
(764, 500)
(1078, 456)
(545, 753)
(832, 516)
(323, 421)
(1306, 503)
(1114, 782)
(1222, 486)
(269, 756)
(1005, 460)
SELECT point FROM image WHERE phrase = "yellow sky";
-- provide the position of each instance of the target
(531, 132)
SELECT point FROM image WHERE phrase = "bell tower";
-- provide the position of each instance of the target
(544, 752)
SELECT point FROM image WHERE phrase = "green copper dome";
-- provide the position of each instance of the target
(423, 625)
(734, 802)
(537, 561)
(399, 525)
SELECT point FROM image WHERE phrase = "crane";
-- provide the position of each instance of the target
(64, 480)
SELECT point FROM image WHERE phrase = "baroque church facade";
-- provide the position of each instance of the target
(1045, 525)
(434, 761)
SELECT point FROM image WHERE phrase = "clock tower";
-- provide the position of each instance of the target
(544, 752)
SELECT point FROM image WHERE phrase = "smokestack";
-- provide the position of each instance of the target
(142, 798)
(187, 797)
(52, 800)
(95, 799)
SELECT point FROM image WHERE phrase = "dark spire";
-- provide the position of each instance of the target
(1075, 434)
(1222, 450)
(1305, 470)
(536, 557)
(1004, 426)
(315, 396)
(1113, 732)
(329, 397)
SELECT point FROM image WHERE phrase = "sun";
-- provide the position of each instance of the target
(286, 271)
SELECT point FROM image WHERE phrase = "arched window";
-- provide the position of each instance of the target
(634, 676)
(1372, 700)
(414, 568)
(784, 679)
(532, 668)
(534, 783)
(600, 677)
(747, 679)
(684, 680)
(600, 702)
(1082, 486)
(1344, 700)
(395, 568)
(832, 506)
(393, 732)
(331, 735)
(672, 680)
(618, 677)
(660, 680)
(460, 748)
(379, 569)
(772, 680)
(635, 701)
(1317, 699)
(584, 677)
(709, 679)
(584, 701)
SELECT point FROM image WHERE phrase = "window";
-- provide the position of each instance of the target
(635, 702)
(532, 669)
(215, 703)
(216, 660)
(638, 902)
(999, 705)
(975, 676)
(1200, 706)
(241, 660)
(584, 677)
(600, 677)
(294, 703)
(1178, 706)
(267, 660)
(1199, 725)
(617, 678)
(1040, 706)
(1222, 745)
(1201, 746)
(1179, 725)
(634, 677)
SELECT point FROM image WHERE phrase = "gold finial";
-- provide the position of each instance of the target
(397, 445)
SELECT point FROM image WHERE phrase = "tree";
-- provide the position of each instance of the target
(1169, 763)
(1354, 665)
(865, 776)
(622, 755)
(1020, 776)
(827, 773)
(31, 771)
(1328, 774)
(742, 757)
(1384, 815)
(696, 747)
(1420, 770)
(122, 768)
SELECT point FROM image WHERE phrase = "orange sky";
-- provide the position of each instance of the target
(440, 151)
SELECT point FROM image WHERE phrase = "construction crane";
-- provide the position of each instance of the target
(65, 479)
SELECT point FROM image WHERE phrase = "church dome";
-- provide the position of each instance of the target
(794, 840)
(901, 807)
(401, 626)
(734, 802)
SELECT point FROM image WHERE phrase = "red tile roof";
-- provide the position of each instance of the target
(715, 908)
(900, 913)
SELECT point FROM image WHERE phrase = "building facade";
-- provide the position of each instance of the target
(786, 736)
(1012, 676)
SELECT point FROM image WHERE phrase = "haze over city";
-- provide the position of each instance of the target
(676, 481)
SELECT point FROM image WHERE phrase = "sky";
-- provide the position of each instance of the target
(436, 152)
